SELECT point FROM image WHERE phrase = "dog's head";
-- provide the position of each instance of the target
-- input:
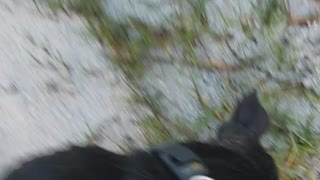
(237, 153)
(248, 123)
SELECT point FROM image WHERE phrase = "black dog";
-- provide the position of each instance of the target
(235, 155)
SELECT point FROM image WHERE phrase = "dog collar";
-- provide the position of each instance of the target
(181, 161)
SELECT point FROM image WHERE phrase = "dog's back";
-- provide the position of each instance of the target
(77, 163)
(236, 154)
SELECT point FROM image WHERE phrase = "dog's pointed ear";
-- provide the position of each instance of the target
(250, 120)
(251, 115)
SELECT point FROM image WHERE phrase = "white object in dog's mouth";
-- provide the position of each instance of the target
(200, 178)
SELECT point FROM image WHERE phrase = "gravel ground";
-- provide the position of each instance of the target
(55, 85)
(301, 42)
(174, 80)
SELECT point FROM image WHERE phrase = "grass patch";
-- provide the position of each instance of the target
(296, 142)
(271, 12)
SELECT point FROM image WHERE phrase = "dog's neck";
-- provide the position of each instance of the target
(146, 165)
(143, 165)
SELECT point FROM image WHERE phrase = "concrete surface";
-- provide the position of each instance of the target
(55, 85)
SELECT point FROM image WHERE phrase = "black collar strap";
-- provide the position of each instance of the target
(181, 161)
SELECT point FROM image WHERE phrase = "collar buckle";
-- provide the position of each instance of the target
(181, 161)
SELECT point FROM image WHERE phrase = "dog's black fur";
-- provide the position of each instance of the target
(235, 155)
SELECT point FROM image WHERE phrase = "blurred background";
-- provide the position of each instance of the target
(127, 74)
